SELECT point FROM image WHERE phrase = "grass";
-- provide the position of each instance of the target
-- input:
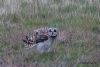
(68, 9)
(63, 53)
(68, 52)
(82, 22)
(87, 65)
(2, 29)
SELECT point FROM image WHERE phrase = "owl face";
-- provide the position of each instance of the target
(52, 32)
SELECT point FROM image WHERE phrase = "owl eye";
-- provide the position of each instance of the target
(55, 30)
(50, 30)
(36, 33)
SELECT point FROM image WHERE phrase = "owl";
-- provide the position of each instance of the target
(42, 39)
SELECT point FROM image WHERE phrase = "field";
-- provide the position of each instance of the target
(79, 46)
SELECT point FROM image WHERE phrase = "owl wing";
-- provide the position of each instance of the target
(39, 35)
(28, 40)
(41, 38)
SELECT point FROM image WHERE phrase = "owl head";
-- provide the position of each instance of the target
(52, 32)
